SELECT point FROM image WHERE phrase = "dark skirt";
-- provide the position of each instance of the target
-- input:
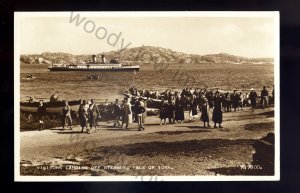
(253, 102)
(204, 116)
(194, 112)
(179, 115)
(217, 116)
(83, 121)
(163, 114)
(235, 104)
(171, 112)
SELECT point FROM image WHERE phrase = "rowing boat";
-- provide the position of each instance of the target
(51, 107)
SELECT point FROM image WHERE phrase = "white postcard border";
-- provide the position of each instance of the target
(19, 15)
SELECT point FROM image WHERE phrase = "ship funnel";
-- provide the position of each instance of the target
(94, 58)
(104, 61)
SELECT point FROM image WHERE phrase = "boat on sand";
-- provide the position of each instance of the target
(51, 107)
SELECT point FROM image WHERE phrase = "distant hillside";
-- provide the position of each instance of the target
(144, 55)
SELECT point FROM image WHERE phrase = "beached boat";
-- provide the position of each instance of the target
(28, 77)
(150, 102)
(94, 65)
(51, 107)
(94, 77)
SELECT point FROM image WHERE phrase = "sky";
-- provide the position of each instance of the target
(241, 36)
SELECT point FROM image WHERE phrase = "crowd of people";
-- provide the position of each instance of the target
(89, 113)
(128, 113)
(171, 105)
(174, 103)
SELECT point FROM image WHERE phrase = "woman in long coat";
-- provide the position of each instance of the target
(204, 113)
(217, 112)
(93, 113)
(83, 115)
(163, 114)
(179, 110)
(252, 97)
(171, 110)
(66, 115)
(193, 108)
(235, 100)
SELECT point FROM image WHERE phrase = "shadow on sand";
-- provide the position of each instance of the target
(259, 126)
(198, 127)
(236, 171)
(179, 132)
(70, 132)
(268, 114)
(120, 129)
(171, 148)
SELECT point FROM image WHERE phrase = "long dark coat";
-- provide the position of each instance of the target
(194, 105)
(253, 97)
(83, 115)
(235, 100)
(164, 111)
(217, 116)
(204, 112)
(179, 110)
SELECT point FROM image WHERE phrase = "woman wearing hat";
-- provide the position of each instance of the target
(163, 114)
(171, 109)
(235, 100)
(204, 112)
(93, 113)
(66, 112)
(252, 97)
(179, 110)
(83, 115)
(193, 108)
(217, 116)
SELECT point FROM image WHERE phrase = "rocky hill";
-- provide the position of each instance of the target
(143, 55)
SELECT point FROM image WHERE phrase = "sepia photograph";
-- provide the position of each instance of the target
(146, 96)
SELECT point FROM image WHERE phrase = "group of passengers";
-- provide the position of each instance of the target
(89, 113)
(171, 105)
(174, 103)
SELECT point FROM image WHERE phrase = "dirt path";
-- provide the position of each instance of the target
(182, 149)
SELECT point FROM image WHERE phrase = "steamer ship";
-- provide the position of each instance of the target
(94, 65)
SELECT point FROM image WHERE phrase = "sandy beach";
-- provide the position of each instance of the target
(173, 149)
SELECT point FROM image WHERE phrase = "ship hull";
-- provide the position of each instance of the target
(55, 107)
(94, 69)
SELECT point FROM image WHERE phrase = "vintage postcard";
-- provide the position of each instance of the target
(146, 96)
